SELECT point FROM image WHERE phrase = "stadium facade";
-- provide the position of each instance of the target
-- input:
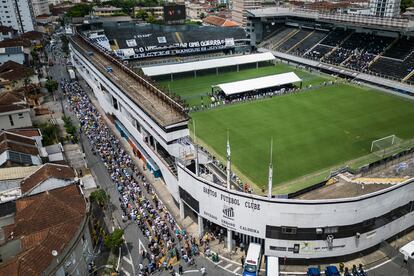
(288, 228)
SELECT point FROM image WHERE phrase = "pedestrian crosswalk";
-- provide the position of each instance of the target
(229, 266)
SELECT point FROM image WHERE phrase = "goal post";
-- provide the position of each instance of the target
(386, 144)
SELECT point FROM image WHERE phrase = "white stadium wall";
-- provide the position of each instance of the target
(250, 215)
(253, 215)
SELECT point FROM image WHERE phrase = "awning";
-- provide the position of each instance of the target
(243, 86)
(206, 64)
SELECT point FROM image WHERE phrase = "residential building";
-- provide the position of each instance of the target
(17, 14)
(40, 7)
(14, 76)
(46, 234)
(157, 12)
(239, 8)
(106, 11)
(7, 32)
(18, 150)
(15, 54)
(10, 179)
(385, 8)
(14, 111)
(196, 11)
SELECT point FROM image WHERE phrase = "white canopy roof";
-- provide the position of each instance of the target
(160, 70)
(408, 250)
(258, 83)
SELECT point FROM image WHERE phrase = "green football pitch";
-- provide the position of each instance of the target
(195, 90)
(312, 131)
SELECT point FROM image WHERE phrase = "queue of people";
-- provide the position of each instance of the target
(137, 198)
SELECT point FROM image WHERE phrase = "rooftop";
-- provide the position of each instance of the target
(45, 172)
(17, 143)
(43, 222)
(12, 101)
(16, 172)
(159, 70)
(12, 71)
(12, 50)
(386, 23)
(29, 132)
(160, 107)
(219, 21)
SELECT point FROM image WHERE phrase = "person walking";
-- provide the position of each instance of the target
(242, 260)
(180, 270)
(203, 270)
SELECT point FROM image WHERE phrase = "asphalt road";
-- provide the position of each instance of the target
(134, 239)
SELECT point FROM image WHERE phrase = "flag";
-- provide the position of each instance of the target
(228, 149)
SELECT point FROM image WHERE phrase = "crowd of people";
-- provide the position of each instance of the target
(137, 198)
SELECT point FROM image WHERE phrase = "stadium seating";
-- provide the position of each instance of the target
(310, 41)
(394, 68)
(335, 37)
(293, 40)
(318, 52)
(401, 49)
(389, 57)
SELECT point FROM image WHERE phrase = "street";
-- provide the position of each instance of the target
(135, 241)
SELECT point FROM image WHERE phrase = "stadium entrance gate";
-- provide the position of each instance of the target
(237, 237)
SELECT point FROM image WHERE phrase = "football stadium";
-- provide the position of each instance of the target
(302, 122)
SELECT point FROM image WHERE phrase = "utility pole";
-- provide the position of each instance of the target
(270, 180)
(228, 162)
(196, 150)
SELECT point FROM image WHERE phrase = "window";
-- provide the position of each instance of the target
(330, 230)
(289, 230)
(11, 120)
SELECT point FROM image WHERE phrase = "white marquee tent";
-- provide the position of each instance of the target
(160, 70)
(243, 86)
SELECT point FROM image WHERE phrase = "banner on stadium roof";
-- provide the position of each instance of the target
(162, 39)
(229, 42)
(131, 43)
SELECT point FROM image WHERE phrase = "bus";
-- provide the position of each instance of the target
(272, 266)
(253, 260)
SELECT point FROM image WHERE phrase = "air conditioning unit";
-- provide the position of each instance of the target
(319, 231)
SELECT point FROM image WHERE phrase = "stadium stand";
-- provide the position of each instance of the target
(384, 56)
(309, 42)
(318, 51)
(293, 40)
(400, 49)
(335, 37)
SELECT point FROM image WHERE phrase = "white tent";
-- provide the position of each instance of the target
(243, 86)
(206, 64)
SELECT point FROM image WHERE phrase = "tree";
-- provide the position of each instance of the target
(65, 44)
(202, 15)
(406, 4)
(50, 133)
(100, 197)
(79, 10)
(114, 240)
(51, 85)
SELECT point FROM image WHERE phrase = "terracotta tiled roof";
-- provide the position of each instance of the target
(15, 42)
(10, 101)
(44, 222)
(32, 35)
(29, 132)
(45, 172)
(219, 21)
(11, 71)
(18, 143)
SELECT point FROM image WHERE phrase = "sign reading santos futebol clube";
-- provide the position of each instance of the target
(231, 211)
